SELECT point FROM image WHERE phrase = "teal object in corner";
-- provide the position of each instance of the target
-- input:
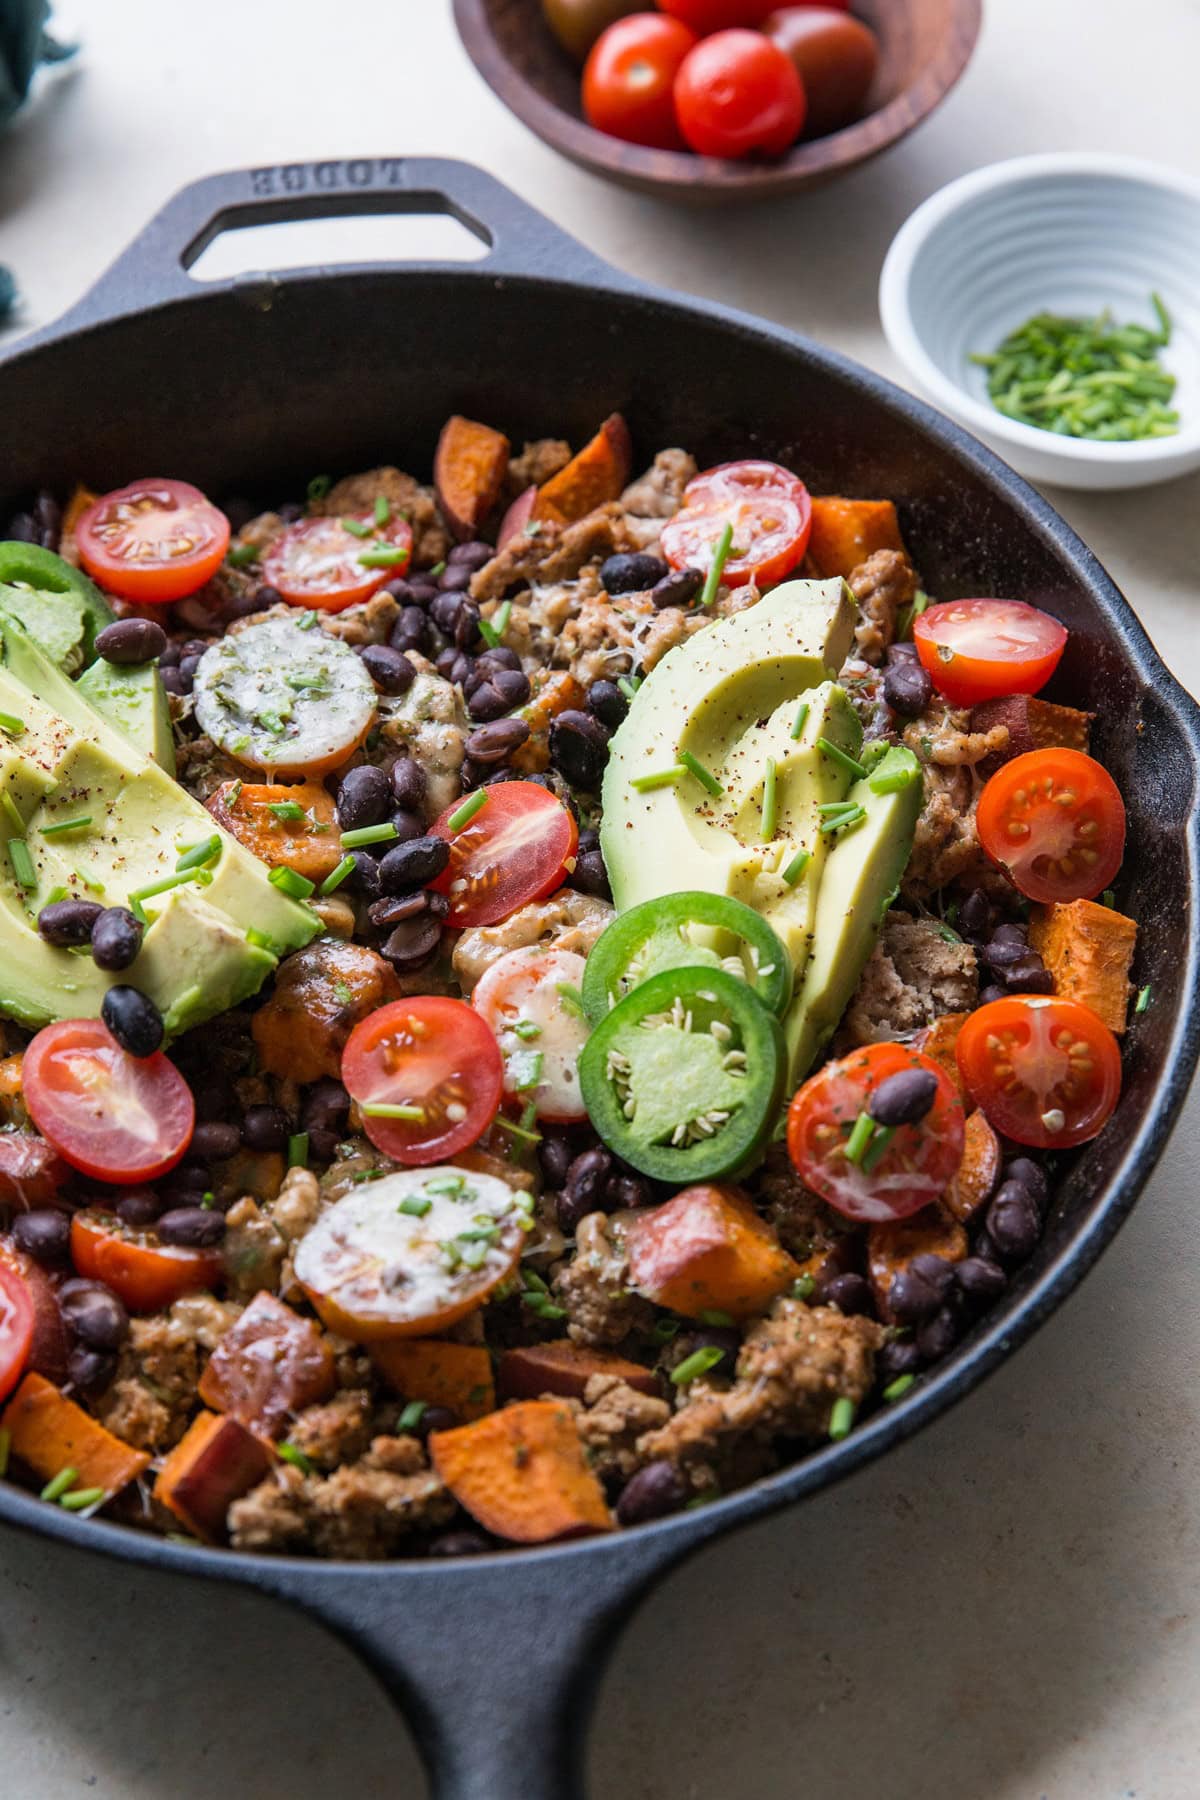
(23, 45)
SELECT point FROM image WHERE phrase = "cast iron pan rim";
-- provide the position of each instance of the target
(991, 1345)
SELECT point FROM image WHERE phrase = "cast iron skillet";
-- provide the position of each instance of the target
(260, 381)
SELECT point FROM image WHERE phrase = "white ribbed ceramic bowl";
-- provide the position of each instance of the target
(1070, 234)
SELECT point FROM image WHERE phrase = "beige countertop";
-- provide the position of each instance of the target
(1007, 1608)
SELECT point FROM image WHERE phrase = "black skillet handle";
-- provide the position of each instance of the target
(154, 269)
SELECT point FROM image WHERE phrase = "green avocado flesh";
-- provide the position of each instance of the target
(133, 698)
(62, 759)
(756, 693)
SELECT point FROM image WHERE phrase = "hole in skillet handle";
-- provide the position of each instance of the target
(242, 248)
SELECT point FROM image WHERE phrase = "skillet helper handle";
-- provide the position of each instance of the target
(154, 269)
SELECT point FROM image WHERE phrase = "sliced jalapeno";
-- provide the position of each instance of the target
(659, 935)
(684, 1077)
(24, 566)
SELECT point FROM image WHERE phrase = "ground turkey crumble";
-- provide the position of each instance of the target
(153, 1395)
(363, 1510)
(594, 1286)
(918, 970)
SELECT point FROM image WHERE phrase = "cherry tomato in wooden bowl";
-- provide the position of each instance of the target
(836, 58)
(16, 1325)
(152, 541)
(873, 1173)
(540, 1037)
(331, 563)
(738, 94)
(707, 16)
(144, 1273)
(427, 1074)
(983, 649)
(629, 80)
(512, 849)
(1046, 1072)
(768, 509)
(1054, 821)
(119, 1118)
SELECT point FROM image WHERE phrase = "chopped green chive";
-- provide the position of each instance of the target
(699, 1362)
(840, 821)
(1142, 1003)
(355, 527)
(287, 810)
(466, 812)
(629, 685)
(860, 1137)
(841, 1419)
(10, 723)
(199, 855)
(59, 1484)
(415, 1206)
(801, 719)
(893, 781)
(526, 1029)
(383, 511)
(260, 940)
(905, 623)
(297, 1150)
(896, 1390)
(516, 1130)
(704, 776)
(243, 556)
(666, 1329)
(412, 1415)
(454, 1185)
(541, 1308)
(710, 1316)
(292, 1453)
(55, 895)
(319, 486)
(438, 569)
(795, 869)
(769, 801)
(5, 1448)
(717, 567)
(492, 630)
(306, 621)
(572, 999)
(828, 809)
(660, 778)
(336, 876)
(850, 763)
(382, 557)
(291, 882)
(804, 1287)
(22, 863)
(1108, 898)
(369, 834)
(82, 1498)
(61, 825)
(383, 1109)
(877, 1148)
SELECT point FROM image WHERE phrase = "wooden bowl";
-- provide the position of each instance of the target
(924, 47)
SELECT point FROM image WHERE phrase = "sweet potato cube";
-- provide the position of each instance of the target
(1032, 725)
(937, 1042)
(214, 1464)
(468, 473)
(522, 1474)
(1088, 949)
(977, 1172)
(559, 693)
(269, 1364)
(48, 1432)
(311, 845)
(565, 1368)
(457, 1376)
(707, 1250)
(591, 479)
(891, 1247)
(846, 532)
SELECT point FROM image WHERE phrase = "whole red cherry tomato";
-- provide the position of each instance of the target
(738, 94)
(836, 58)
(629, 80)
(707, 16)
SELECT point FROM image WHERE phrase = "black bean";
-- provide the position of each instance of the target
(980, 1280)
(90, 1371)
(903, 651)
(446, 662)
(589, 840)
(173, 681)
(44, 1234)
(267, 596)
(423, 588)
(587, 1178)
(467, 633)
(412, 944)
(1002, 953)
(904, 1098)
(513, 687)
(139, 1207)
(434, 1418)
(589, 876)
(473, 555)
(401, 590)
(363, 879)
(496, 741)
(116, 939)
(626, 1191)
(849, 1293)
(725, 1338)
(213, 1095)
(899, 1356)
(196, 1227)
(93, 1314)
(393, 909)
(678, 588)
(325, 1106)
(990, 993)
(486, 703)
(444, 611)
(455, 578)
(68, 922)
(291, 512)
(131, 641)
(407, 825)
(216, 1140)
(133, 1019)
(579, 749)
(653, 1493)
(975, 915)
(907, 688)
(1031, 1176)
(911, 1298)
(265, 1128)
(47, 520)
(186, 672)
(1030, 976)
(389, 669)
(411, 631)
(413, 865)
(632, 572)
(364, 798)
(1014, 1223)
(21, 528)
(938, 1335)
(554, 1159)
(1011, 933)
(408, 783)
(607, 702)
(458, 1543)
(495, 657)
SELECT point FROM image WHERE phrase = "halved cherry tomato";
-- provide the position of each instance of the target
(1046, 1072)
(31, 1170)
(152, 541)
(706, 16)
(49, 1345)
(769, 509)
(918, 1161)
(320, 562)
(262, 816)
(513, 850)
(983, 649)
(738, 94)
(119, 1118)
(1054, 821)
(145, 1274)
(436, 1060)
(520, 996)
(16, 1325)
(629, 80)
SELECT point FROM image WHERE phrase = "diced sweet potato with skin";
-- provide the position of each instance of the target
(559, 693)
(48, 1433)
(1088, 948)
(846, 532)
(521, 1473)
(269, 1364)
(891, 1247)
(320, 995)
(707, 1250)
(1032, 725)
(977, 1172)
(312, 845)
(214, 1464)
(598, 474)
(937, 1042)
(468, 473)
(457, 1376)
(565, 1368)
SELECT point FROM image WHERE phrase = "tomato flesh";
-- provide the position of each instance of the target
(116, 1117)
(629, 80)
(154, 540)
(433, 1057)
(514, 849)
(16, 1325)
(979, 650)
(319, 562)
(738, 94)
(145, 1274)
(540, 1039)
(768, 508)
(31, 1170)
(1046, 1072)
(919, 1160)
(1054, 821)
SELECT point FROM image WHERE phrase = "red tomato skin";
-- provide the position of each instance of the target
(278, 567)
(1031, 1016)
(31, 1170)
(146, 1276)
(718, 492)
(836, 58)
(156, 583)
(537, 867)
(1100, 800)
(629, 80)
(51, 1104)
(49, 1345)
(453, 1038)
(739, 95)
(16, 1325)
(707, 16)
(964, 678)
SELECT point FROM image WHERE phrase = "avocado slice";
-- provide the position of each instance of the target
(133, 698)
(61, 760)
(59, 607)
